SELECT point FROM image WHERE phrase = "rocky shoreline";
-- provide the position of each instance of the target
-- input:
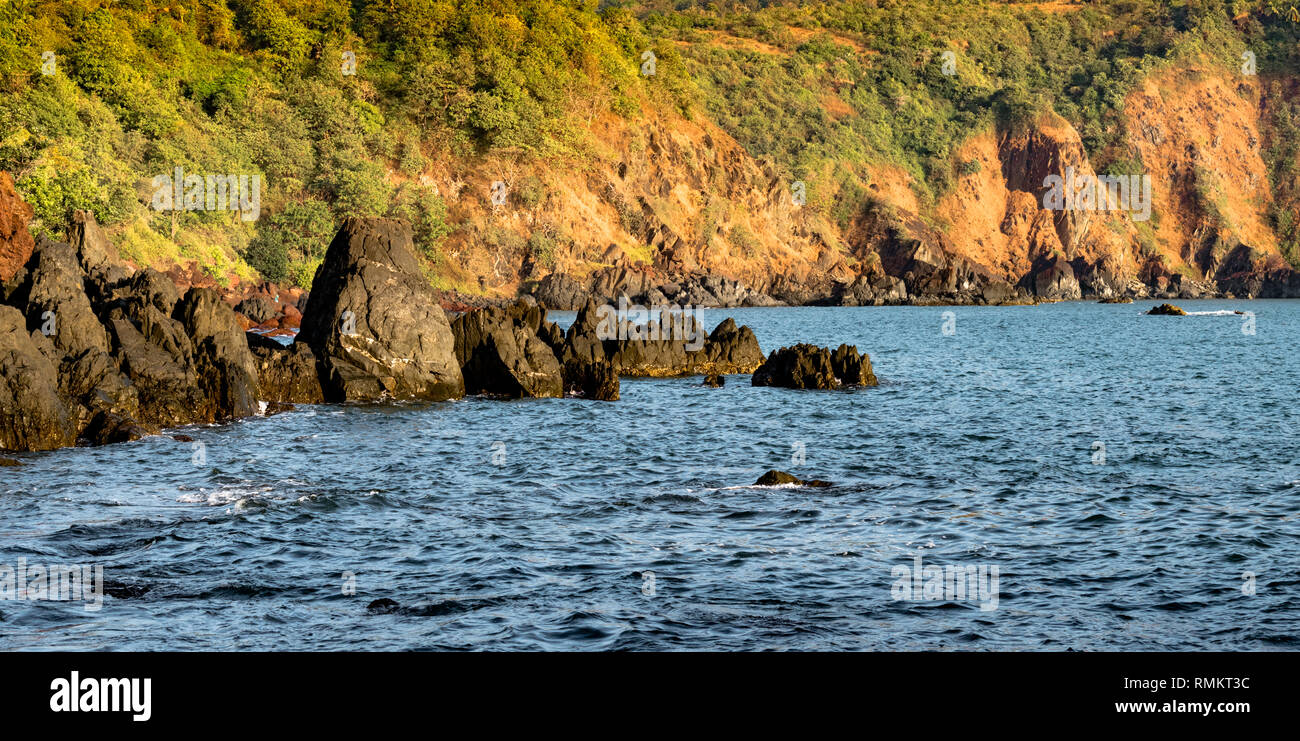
(921, 278)
(93, 352)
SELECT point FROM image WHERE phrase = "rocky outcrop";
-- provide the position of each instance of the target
(286, 373)
(225, 366)
(678, 347)
(1053, 279)
(810, 367)
(502, 353)
(373, 322)
(98, 354)
(1167, 310)
(781, 478)
(32, 414)
(16, 243)
(97, 256)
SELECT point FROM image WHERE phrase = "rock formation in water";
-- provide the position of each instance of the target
(98, 353)
(502, 352)
(780, 478)
(810, 367)
(373, 322)
(1167, 310)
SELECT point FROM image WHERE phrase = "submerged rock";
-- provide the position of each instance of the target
(107, 428)
(778, 478)
(383, 606)
(373, 322)
(714, 380)
(806, 366)
(1167, 310)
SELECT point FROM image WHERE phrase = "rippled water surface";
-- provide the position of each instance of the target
(532, 524)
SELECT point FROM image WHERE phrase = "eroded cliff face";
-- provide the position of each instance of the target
(673, 200)
(668, 198)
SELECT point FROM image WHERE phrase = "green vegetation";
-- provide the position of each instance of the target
(825, 90)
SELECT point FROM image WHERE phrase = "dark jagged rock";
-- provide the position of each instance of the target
(258, 308)
(373, 321)
(778, 478)
(9, 463)
(560, 292)
(113, 356)
(155, 354)
(226, 369)
(1116, 300)
(595, 379)
(32, 414)
(587, 371)
(52, 295)
(810, 367)
(1052, 278)
(501, 353)
(286, 374)
(851, 367)
(1167, 310)
(675, 347)
(383, 606)
(715, 380)
(107, 428)
(97, 255)
(56, 303)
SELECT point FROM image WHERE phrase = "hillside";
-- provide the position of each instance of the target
(841, 152)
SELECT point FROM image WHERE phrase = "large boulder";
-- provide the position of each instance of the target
(153, 351)
(32, 414)
(810, 367)
(373, 322)
(560, 292)
(501, 352)
(15, 241)
(258, 308)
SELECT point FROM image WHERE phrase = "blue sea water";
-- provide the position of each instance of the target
(1133, 480)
